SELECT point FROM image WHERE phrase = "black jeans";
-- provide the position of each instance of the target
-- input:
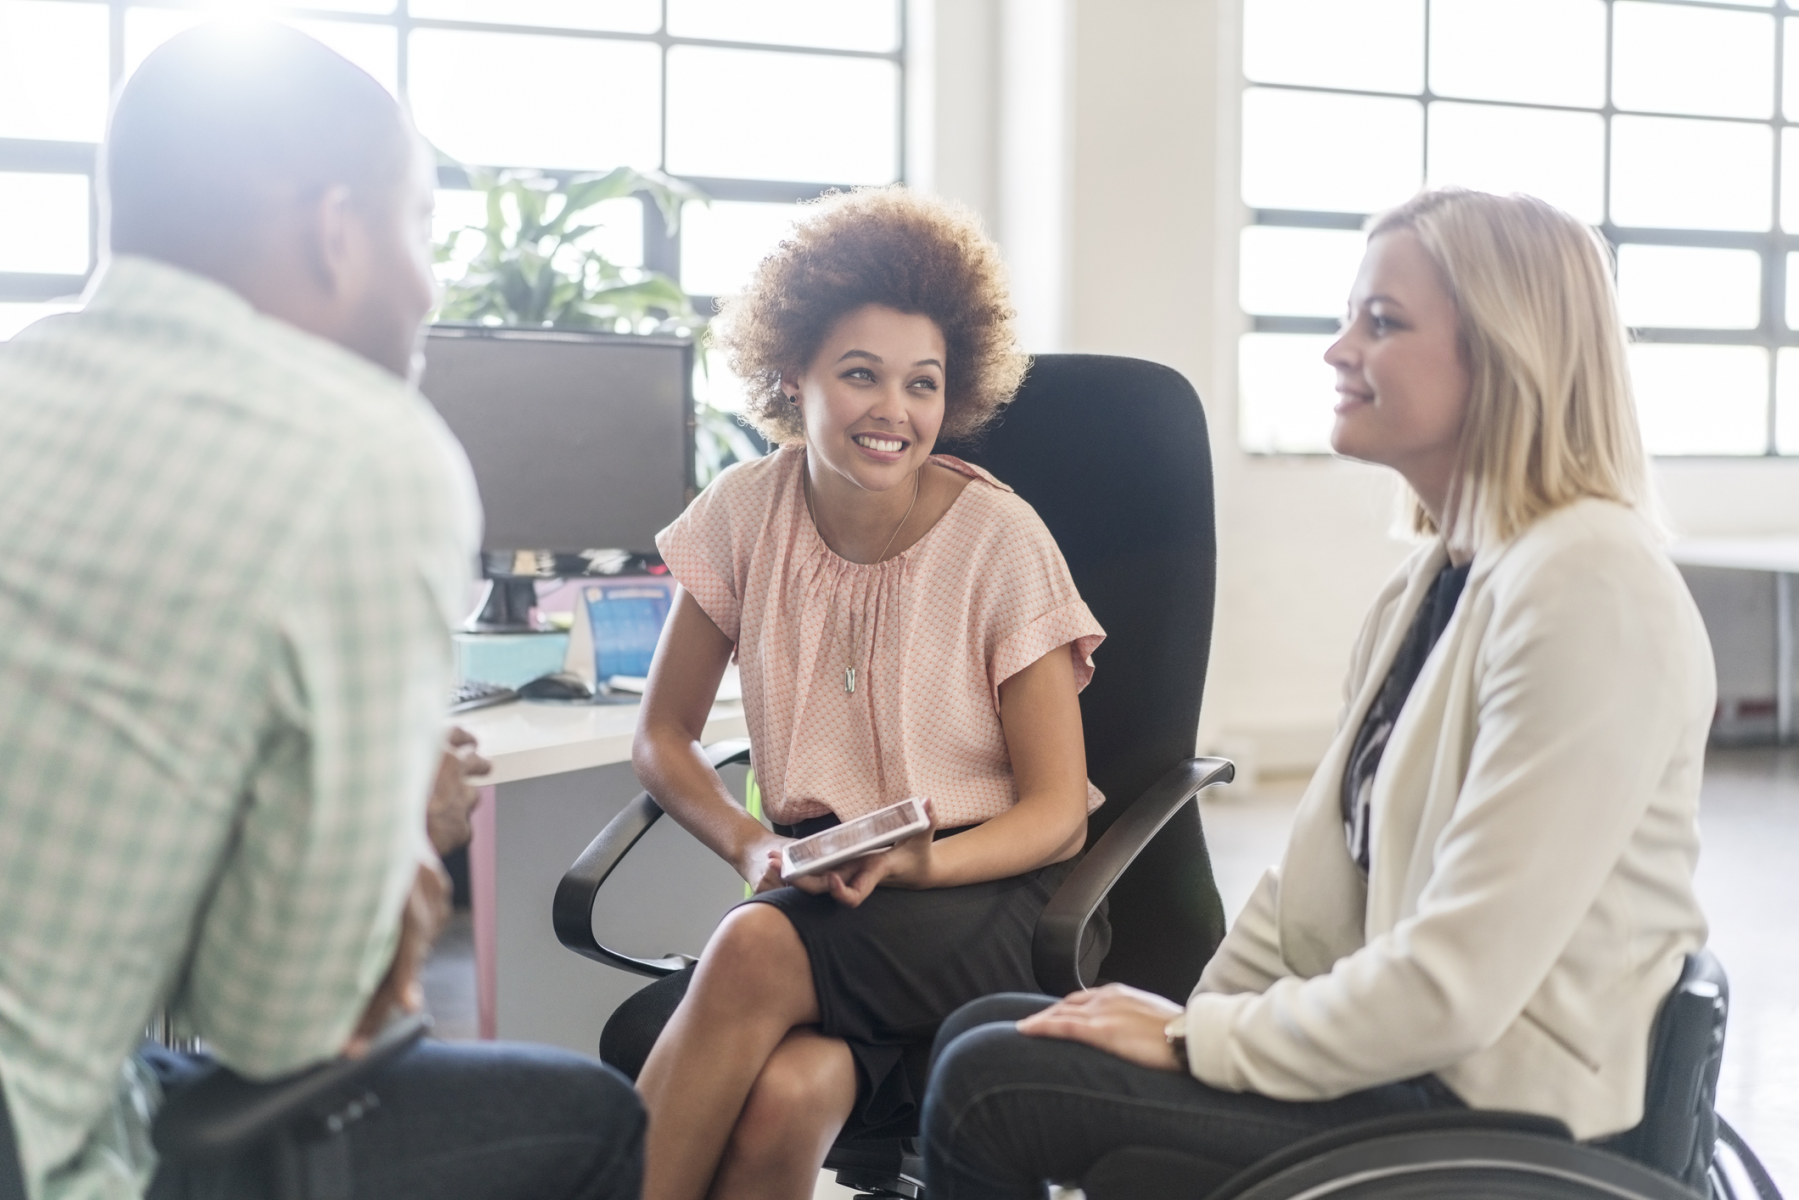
(1007, 1114)
(473, 1120)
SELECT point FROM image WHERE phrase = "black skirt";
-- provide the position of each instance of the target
(887, 974)
(889, 971)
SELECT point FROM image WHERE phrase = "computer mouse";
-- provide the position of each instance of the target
(562, 685)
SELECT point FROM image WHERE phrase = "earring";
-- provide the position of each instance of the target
(793, 399)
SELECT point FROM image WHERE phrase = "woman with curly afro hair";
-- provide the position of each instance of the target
(905, 627)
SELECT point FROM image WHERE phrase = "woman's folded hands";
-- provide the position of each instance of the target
(907, 865)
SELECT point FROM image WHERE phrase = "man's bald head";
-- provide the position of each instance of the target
(248, 152)
(232, 117)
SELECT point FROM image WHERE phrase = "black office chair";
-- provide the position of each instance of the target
(298, 1121)
(1670, 1155)
(1113, 454)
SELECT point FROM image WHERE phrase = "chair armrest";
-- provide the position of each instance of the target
(224, 1113)
(1056, 945)
(572, 910)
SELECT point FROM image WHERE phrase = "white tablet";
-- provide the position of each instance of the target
(879, 830)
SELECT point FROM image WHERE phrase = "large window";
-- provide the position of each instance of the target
(1669, 124)
(762, 103)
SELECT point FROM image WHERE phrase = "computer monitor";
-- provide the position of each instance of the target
(580, 441)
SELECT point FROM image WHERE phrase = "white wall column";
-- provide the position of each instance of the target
(989, 116)
(1036, 106)
(952, 105)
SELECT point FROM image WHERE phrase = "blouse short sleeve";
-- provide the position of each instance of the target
(1031, 603)
(1068, 625)
(706, 553)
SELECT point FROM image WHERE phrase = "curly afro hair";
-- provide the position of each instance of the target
(888, 246)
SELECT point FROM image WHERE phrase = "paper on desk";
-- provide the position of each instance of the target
(730, 688)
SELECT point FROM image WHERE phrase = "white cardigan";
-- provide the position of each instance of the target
(1531, 893)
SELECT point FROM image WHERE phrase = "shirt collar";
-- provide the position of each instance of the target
(130, 284)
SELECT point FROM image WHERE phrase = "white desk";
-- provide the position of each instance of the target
(1778, 556)
(527, 741)
(560, 773)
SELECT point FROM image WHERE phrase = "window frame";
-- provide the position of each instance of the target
(1772, 245)
(661, 248)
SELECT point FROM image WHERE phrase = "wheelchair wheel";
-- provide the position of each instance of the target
(1476, 1164)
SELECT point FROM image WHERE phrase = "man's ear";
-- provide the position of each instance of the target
(331, 237)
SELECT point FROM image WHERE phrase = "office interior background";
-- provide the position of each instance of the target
(1180, 180)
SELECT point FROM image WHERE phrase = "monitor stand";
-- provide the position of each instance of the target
(508, 607)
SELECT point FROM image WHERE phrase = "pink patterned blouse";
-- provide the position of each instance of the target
(930, 634)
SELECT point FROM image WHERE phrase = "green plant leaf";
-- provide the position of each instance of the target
(585, 191)
(669, 194)
(529, 271)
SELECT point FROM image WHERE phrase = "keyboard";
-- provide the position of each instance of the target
(466, 697)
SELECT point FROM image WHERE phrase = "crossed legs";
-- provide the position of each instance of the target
(744, 1098)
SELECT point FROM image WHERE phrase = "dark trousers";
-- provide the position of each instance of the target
(1007, 1114)
(480, 1121)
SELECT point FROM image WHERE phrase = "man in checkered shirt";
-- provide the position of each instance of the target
(233, 538)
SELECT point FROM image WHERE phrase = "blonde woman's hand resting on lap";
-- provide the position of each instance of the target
(1117, 1019)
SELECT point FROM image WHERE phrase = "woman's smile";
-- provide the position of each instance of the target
(881, 447)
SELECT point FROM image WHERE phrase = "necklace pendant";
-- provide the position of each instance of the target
(849, 679)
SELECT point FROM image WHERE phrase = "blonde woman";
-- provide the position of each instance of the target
(1489, 884)
(905, 626)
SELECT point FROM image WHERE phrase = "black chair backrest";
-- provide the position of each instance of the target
(1113, 455)
(1679, 1129)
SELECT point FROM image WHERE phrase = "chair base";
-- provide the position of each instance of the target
(879, 1169)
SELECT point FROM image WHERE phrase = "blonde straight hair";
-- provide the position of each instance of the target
(1550, 415)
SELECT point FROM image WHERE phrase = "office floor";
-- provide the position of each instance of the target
(1748, 882)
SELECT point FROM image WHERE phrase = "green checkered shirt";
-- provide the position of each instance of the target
(230, 555)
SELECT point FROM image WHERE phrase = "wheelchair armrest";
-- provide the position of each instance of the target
(224, 1113)
(1056, 945)
(572, 910)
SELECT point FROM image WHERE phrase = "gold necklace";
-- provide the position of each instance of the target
(849, 670)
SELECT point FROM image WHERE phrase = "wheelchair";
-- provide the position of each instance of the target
(1680, 1149)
